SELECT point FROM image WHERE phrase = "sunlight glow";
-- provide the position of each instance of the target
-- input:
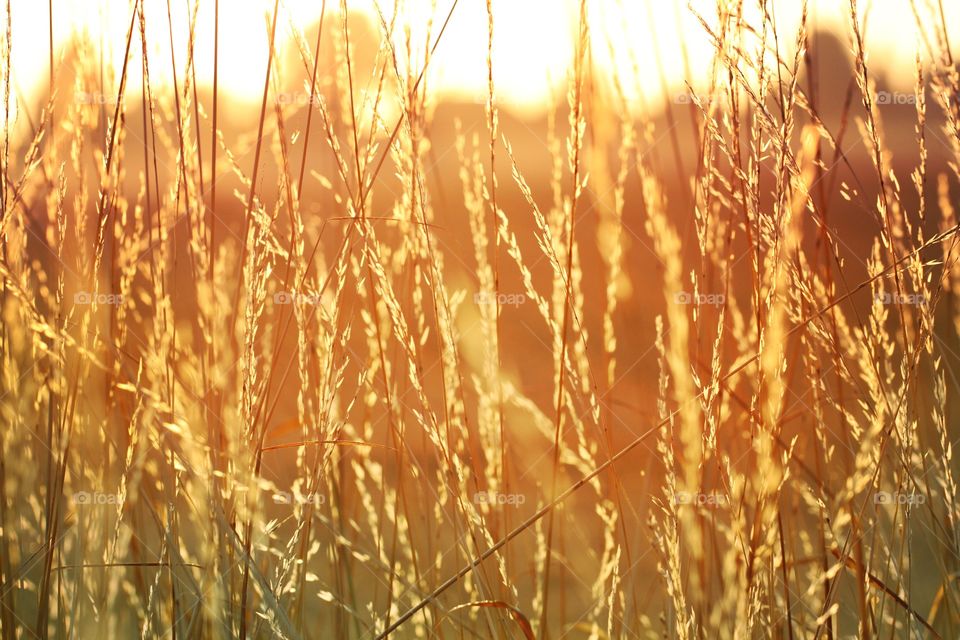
(533, 41)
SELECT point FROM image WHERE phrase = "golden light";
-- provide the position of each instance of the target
(651, 45)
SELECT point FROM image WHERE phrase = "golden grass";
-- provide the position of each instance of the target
(278, 379)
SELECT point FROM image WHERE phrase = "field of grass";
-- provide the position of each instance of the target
(357, 362)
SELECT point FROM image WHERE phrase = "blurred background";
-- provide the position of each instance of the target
(650, 62)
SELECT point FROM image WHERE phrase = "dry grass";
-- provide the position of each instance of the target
(274, 378)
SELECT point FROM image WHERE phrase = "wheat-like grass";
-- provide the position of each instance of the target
(370, 363)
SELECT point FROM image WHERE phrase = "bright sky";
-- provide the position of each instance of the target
(533, 39)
